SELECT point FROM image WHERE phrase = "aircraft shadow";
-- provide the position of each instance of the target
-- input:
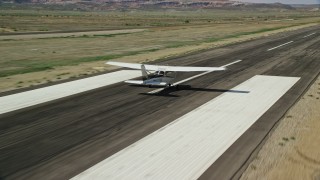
(213, 90)
(166, 92)
(160, 94)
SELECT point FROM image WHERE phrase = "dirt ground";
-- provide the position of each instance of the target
(83, 69)
(293, 150)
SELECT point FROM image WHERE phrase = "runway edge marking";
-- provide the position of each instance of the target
(186, 147)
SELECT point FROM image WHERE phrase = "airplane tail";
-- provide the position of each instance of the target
(144, 72)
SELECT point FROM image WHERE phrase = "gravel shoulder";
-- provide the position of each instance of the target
(292, 150)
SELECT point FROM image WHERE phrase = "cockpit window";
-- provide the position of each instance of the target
(164, 73)
(159, 73)
(170, 74)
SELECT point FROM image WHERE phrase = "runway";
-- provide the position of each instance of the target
(196, 139)
(62, 138)
(46, 94)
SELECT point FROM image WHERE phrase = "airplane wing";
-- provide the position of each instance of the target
(166, 68)
(133, 65)
(191, 69)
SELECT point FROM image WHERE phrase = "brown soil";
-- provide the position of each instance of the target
(293, 149)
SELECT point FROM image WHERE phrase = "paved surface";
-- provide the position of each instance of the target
(37, 96)
(62, 138)
(196, 139)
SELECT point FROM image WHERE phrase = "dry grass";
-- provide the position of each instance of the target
(292, 151)
(29, 18)
(66, 72)
(35, 59)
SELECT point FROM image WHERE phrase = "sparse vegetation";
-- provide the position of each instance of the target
(36, 62)
(300, 157)
(162, 31)
(43, 29)
(285, 139)
(35, 66)
(62, 74)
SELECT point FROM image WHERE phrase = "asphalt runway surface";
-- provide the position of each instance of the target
(62, 138)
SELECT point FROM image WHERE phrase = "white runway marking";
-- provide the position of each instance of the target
(309, 35)
(279, 46)
(37, 96)
(190, 78)
(185, 148)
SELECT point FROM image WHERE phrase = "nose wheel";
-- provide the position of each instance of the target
(176, 86)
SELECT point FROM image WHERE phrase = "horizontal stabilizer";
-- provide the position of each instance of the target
(137, 82)
(156, 83)
(134, 82)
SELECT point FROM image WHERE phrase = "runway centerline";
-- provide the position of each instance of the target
(309, 35)
(280, 45)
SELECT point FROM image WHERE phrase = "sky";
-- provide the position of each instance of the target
(285, 1)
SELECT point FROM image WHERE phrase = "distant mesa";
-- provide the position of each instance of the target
(137, 4)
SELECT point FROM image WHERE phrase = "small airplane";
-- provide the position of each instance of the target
(158, 75)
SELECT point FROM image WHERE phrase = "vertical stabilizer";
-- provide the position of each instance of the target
(144, 72)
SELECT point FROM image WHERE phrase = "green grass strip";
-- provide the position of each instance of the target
(35, 66)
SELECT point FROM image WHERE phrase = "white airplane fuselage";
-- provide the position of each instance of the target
(160, 81)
